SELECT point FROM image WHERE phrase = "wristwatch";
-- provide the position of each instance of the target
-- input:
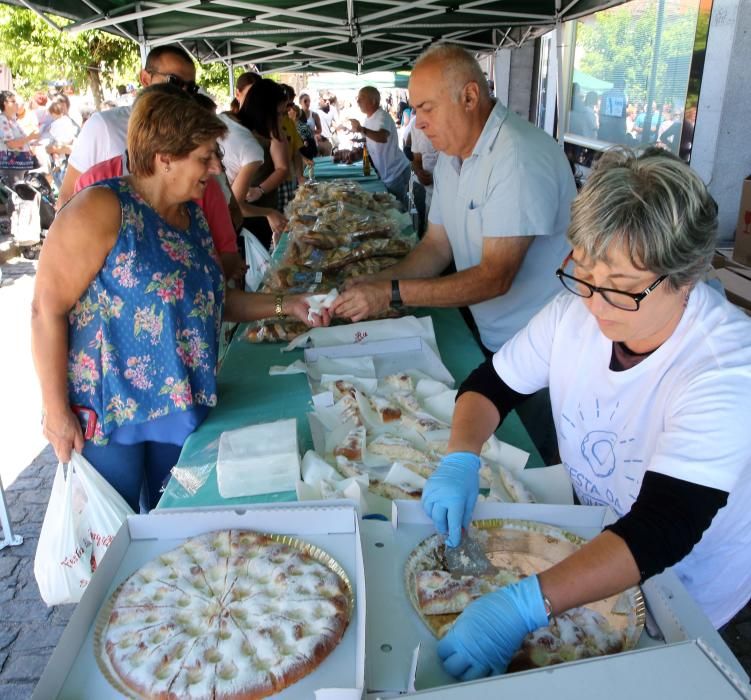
(279, 307)
(396, 297)
(548, 607)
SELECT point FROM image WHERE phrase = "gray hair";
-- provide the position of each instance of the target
(372, 94)
(653, 206)
(459, 68)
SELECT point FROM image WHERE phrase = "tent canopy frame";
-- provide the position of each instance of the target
(317, 35)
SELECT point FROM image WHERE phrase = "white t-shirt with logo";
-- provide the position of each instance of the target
(240, 147)
(388, 158)
(683, 411)
(103, 136)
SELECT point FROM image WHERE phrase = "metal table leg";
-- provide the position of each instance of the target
(9, 539)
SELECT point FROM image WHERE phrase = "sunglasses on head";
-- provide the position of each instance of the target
(190, 86)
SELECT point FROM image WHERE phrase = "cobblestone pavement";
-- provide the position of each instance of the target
(29, 630)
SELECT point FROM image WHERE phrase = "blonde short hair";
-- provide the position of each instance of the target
(166, 120)
(652, 206)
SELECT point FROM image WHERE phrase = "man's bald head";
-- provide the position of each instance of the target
(457, 67)
(450, 97)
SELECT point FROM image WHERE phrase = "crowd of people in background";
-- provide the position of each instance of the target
(269, 146)
(44, 127)
(610, 116)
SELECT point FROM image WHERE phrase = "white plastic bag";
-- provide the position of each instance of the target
(25, 224)
(83, 515)
(257, 258)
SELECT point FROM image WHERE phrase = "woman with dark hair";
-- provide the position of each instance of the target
(129, 299)
(261, 113)
(243, 85)
(15, 153)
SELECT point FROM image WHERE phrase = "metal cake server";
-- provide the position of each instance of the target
(469, 558)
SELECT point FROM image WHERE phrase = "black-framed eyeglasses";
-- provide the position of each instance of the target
(190, 86)
(626, 301)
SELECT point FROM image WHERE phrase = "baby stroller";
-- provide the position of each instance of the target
(27, 210)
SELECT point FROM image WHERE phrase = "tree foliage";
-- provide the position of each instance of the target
(619, 43)
(38, 54)
(214, 79)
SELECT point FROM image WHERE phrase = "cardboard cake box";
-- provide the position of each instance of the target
(395, 630)
(73, 673)
(734, 277)
(687, 669)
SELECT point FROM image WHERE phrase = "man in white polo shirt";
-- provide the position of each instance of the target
(499, 211)
(500, 208)
(382, 140)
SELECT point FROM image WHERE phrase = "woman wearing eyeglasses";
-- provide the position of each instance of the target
(129, 299)
(649, 371)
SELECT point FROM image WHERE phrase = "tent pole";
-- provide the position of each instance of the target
(231, 69)
(559, 70)
(142, 47)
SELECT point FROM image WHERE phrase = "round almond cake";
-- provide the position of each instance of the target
(228, 614)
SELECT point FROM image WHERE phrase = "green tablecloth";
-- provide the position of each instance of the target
(325, 170)
(248, 395)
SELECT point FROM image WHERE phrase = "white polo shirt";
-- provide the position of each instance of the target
(103, 136)
(517, 182)
(388, 158)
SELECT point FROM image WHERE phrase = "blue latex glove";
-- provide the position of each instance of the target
(490, 630)
(450, 494)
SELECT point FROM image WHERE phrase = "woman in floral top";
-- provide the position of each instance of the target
(129, 299)
(13, 141)
(12, 136)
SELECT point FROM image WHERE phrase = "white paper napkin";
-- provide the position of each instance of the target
(318, 302)
(314, 468)
(429, 387)
(399, 475)
(296, 367)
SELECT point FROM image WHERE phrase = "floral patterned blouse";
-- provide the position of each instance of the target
(10, 130)
(143, 338)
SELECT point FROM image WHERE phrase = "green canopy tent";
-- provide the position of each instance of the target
(351, 81)
(588, 83)
(319, 35)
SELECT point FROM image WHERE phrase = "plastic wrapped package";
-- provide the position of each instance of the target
(360, 250)
(312, 196)
(336, 231)
(274, 330)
